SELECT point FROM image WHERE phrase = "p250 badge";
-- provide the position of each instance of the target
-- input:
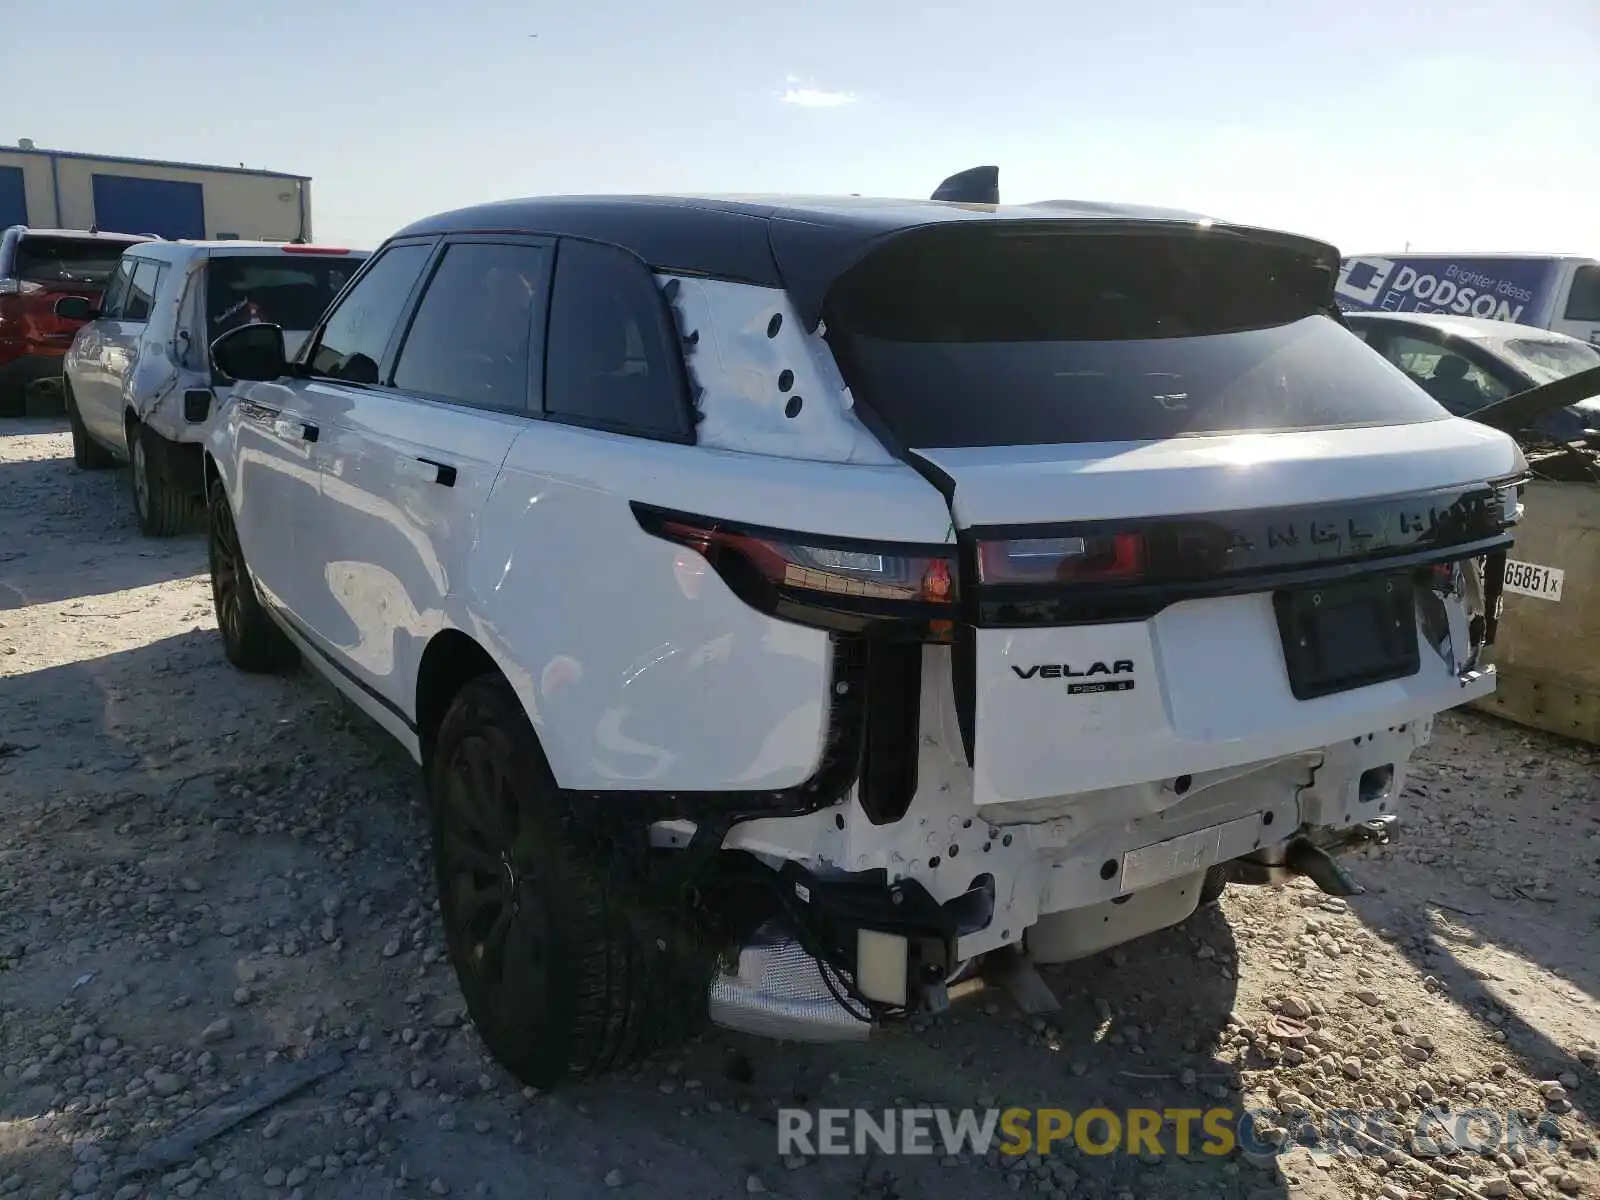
(1097, 677)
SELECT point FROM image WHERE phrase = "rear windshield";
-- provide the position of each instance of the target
(67, 260)
(290, 292)
(1037, 339)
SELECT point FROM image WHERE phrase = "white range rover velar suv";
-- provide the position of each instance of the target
(796, 604)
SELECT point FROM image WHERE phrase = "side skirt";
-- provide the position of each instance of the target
(379, 708)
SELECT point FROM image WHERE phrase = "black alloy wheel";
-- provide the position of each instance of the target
(249, 638)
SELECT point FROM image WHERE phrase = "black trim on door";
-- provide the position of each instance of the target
(311, 643)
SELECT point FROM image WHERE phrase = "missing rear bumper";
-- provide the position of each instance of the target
(839, 952)
(777, 990)
(1314, 855)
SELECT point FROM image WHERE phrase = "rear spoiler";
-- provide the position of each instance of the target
(975, 185)
(1516, 412)
(811, 257)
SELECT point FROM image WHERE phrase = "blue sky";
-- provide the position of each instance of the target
(1449, 124)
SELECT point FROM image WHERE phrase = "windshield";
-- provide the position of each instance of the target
(67, 260)
(1545, 360)
(1086, 338)
(288, 292)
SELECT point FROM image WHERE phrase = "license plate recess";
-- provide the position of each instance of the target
(1346, 635)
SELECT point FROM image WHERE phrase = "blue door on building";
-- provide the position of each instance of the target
(165, 207)
(13, 197)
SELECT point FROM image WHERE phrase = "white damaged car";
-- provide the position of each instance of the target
(139, 384)
(793, 601)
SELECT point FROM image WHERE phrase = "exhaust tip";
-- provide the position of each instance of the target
(1317, 865)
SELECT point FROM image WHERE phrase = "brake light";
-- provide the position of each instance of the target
(294, 249)
(893, 589)
(1108, 558)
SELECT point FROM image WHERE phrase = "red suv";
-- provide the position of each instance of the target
(37, 268)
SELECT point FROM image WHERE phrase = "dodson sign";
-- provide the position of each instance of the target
(1500, 289)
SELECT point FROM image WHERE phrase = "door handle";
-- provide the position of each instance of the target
(300, 431)
(426, 468)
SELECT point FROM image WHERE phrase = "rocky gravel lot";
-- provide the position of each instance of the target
(213, 887)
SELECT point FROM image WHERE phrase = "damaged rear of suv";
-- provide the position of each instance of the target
(862, 589)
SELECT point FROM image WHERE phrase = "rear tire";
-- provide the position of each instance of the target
(13, 400)
(87, 454)
(562, 978)
(162, 509)
(1216, 882)
(249, 638)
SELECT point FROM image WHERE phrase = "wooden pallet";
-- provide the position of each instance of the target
(1547, 652)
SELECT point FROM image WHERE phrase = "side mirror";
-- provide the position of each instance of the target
(251, 352)
(75, 308)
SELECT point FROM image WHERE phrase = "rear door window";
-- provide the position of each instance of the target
(477, 325)
(85, 262)
(142, 290)
(1019, 337)
(290, 291)
(612, 359)
(358, 330)
(1452, 379)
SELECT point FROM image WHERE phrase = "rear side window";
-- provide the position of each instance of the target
(291, 292)
(996, 337)
(470, 340)
(1450, 378)
(142, 291)
(611, 358)
(1583, 302)
(357, 333)
(82, 261)
(116, 295)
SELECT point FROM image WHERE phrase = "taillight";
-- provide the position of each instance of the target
(852, 586)
(1108, 558)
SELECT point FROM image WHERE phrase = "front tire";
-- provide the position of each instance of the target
(249, 638)
(87, 454)
(562, 979)
(163, 510)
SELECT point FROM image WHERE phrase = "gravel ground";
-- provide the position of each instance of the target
(208, 880)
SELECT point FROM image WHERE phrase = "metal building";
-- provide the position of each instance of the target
(64, 189)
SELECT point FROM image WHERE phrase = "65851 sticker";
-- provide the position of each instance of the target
(1530, 579)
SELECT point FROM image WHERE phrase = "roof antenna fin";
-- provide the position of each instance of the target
(975, 185)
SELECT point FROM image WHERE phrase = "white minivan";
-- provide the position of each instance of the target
(1551, 291)
(139, 385)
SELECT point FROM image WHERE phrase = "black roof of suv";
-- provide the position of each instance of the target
(800, 243)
